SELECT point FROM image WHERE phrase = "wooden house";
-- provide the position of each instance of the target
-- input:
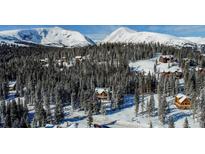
(182, 101)
(103, 94)
(166, 58)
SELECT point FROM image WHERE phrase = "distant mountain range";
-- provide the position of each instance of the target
(60, 37)
(126, 35)
(56, 36)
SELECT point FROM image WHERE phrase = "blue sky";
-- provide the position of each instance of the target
(98, 32)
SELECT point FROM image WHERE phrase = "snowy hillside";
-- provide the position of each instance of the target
(46, 36)
(197, 40)
(147, 66)
(126, 35)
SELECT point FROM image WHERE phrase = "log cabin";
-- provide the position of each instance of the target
(103, 94)
(182, 101)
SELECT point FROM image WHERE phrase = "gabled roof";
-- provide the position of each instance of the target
(78, 57)
(167, 56)
(12, 84)
(181, 97)
(100, 90)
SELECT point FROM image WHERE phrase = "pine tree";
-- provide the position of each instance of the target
(103, 110)
(186, 123)
(90, 116)
(72, 101)
(14, 114)
(59, 115)
(142, 103)
(202, 108)
(151, 106)
(162, 110)
(150, 124)
(152, 102)
(171, 123)
(136, 103)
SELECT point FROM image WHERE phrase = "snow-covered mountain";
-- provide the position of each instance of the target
(197, 40)
(55, 36)
(126, 35)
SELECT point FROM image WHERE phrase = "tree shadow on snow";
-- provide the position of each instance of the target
(74, 119)
(180, 115)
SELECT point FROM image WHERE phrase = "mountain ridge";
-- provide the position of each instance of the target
(54, 36)
(126, 35)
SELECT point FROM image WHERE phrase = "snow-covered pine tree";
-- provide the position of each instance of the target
(186, 123)
(90, 116)
(142, 103)
(162, 110)
(150, 124)
(171, 122)
(59, 115)
(136, 97)
(202, 109)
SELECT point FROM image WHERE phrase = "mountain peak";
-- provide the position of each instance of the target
(53, 36)
(124, 30)
(126, 35)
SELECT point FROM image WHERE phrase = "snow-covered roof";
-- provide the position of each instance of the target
(12, 84)
(199, 68)
(181, 97)
(167, 56)
(100, 90)
(49, 126)
(78, 57)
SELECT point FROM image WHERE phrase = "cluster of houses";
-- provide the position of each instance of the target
(181, 101)
(177, 73)
(64, 61)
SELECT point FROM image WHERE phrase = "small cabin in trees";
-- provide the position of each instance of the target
(182, 101)
(78, 59)
(103, 94)
(166, 58)
(12, 85)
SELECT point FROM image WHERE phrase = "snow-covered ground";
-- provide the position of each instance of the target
(147, 66)
(125, 118)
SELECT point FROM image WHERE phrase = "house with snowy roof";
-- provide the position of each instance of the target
(182, 101)
(103, 94)
(79, 59)
(12, 85)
